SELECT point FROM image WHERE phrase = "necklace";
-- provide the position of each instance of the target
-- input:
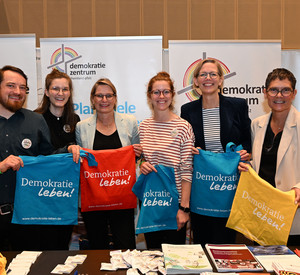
(275, 126)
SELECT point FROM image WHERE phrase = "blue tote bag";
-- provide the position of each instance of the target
(47, 190)
(159, 200)
(215, 179)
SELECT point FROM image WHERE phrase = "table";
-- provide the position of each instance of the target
(48, 260)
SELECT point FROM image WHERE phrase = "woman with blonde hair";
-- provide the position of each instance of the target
(107, 129)
(216, 121)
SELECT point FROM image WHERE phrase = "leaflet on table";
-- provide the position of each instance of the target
(135, 261)
(233, 258)
(70, 263)
(290, 268)
(274, 253)
(185, 259)
(22, 263)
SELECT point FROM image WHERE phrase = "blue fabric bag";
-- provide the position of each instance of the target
(47, 190)
(159, 200)
(215, 179)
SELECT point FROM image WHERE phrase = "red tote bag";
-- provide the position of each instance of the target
(108, 185)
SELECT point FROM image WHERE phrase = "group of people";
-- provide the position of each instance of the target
(209, 123)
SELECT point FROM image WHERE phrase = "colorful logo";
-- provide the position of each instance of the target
(191, 93)
(61, 57)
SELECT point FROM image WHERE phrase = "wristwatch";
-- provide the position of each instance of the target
(184, 209)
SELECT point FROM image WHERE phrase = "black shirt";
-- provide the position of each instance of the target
(267, 169)
(24, 133)
(102, 142)
(60, 131)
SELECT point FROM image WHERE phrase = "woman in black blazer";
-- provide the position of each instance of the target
(216, 120)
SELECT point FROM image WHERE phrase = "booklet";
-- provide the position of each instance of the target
(273, 253)
(233, 258)
(286, 268)
(185, 259)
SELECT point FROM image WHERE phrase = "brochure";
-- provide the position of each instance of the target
(286, 268)
(233, 258)
(185, 259)
(273, 253)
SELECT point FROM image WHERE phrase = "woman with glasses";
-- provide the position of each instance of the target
(107, 129)
(276, 143)
(58, 111)
(216, 121)
(167, 140)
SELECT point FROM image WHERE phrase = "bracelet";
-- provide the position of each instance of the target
(184, 209)
(141, 162)
(1, 172)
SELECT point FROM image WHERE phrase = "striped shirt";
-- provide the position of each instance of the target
(211, 129)
(170, 144)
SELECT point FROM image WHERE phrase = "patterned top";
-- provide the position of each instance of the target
(211, 129)
(170, 144)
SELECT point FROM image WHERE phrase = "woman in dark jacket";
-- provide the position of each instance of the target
(216, 120)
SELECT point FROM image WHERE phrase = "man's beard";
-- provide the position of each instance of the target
(12, 106)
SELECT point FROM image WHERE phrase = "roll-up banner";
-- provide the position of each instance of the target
(291, 61)
(19, 50)
(245, 65)
(129, 62)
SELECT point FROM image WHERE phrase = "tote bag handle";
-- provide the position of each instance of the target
(231, 147)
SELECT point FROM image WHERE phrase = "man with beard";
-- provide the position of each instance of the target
(22, 132)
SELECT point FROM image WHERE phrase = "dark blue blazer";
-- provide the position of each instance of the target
(234, 119)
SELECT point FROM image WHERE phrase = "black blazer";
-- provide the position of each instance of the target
(234, 119)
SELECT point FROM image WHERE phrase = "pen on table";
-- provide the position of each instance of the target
(297, 251)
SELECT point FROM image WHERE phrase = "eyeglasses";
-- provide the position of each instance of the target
(58, 89)
(212, 75)
(159, 92)
(284, 91)
(108, 96)
(13, 86)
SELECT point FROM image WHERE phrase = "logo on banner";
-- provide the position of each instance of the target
(62, 57)
(188, 78)
(63, 60)
(245, 90)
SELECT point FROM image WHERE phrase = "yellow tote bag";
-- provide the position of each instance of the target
(261, 212)
(2, 264)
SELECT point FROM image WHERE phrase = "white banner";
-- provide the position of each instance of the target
(245, 65)
(129, 62)
(291, 61)
(19, 51)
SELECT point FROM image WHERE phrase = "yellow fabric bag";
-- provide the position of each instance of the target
(2, 264)
(261, 212)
